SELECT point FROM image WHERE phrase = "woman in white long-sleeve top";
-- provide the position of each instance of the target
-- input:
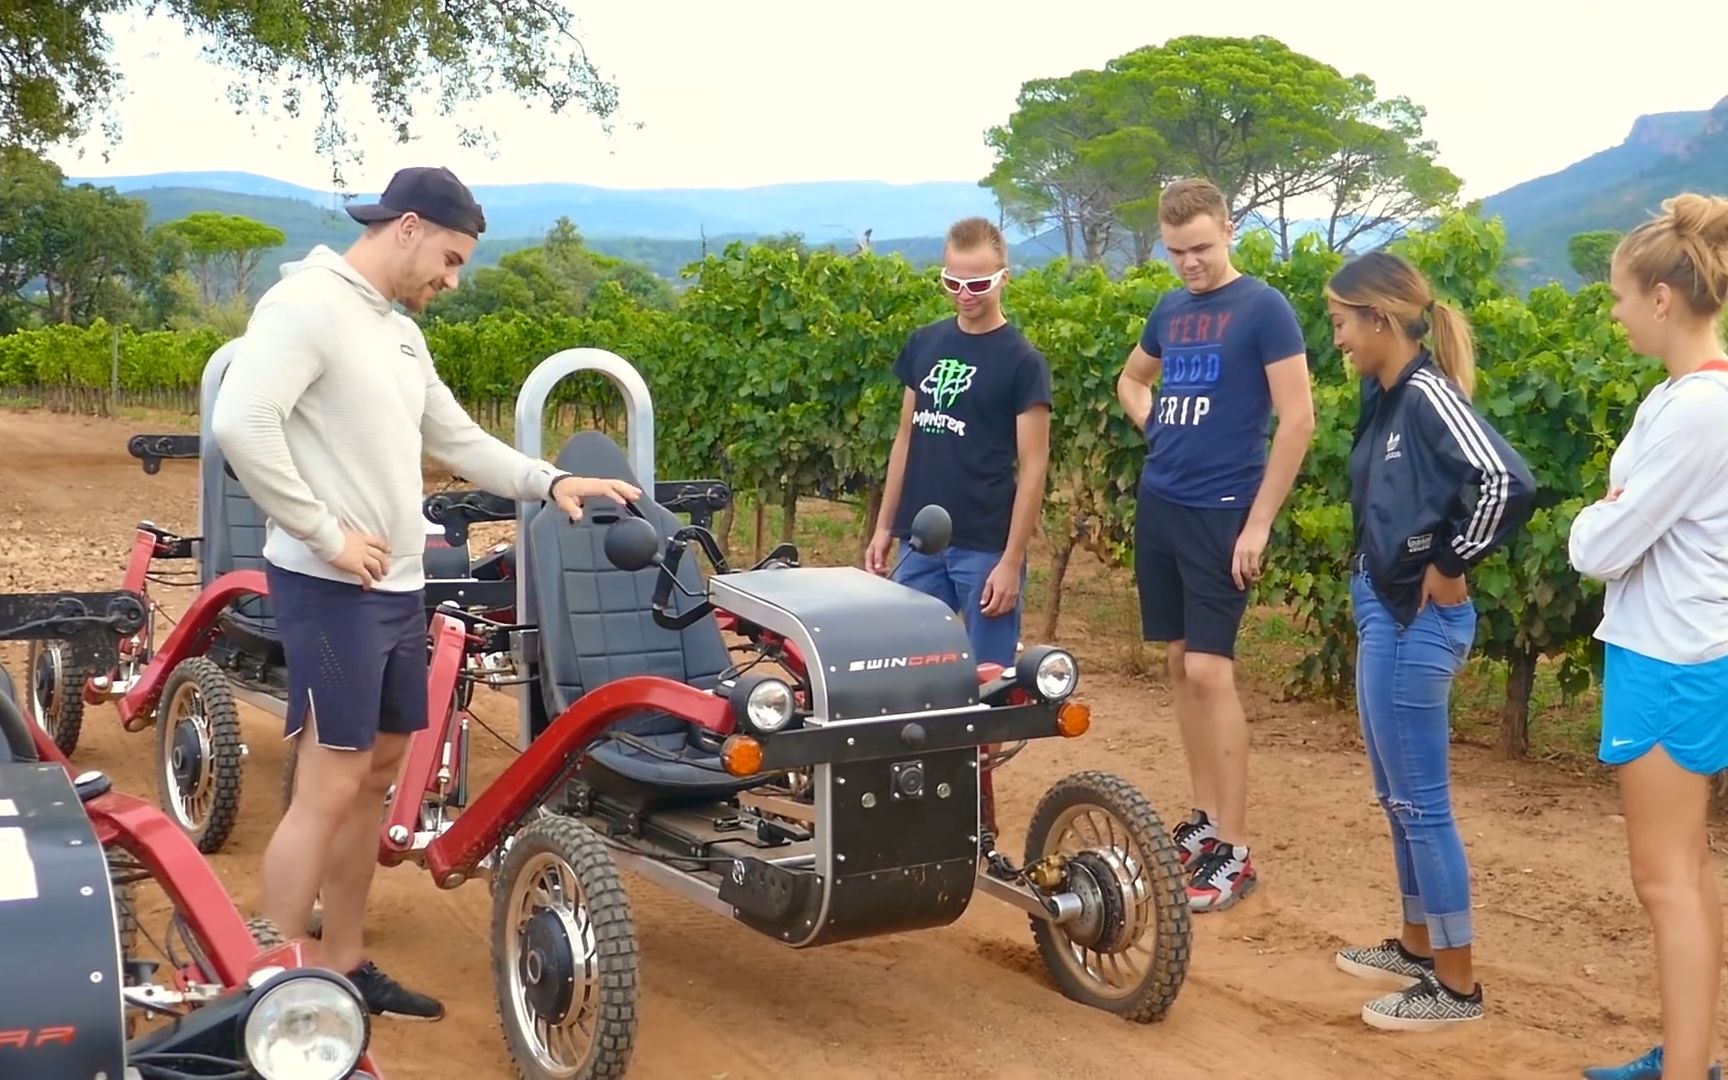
(1659, 538)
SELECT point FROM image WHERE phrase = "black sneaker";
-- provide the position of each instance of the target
(385, 996)
(1390, 957)
(1423, 1007)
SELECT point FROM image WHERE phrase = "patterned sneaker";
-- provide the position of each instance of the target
(385, 996)
(1390, 957)
(1647, 1067)
(1194, 836)
(1423, 1007)
(1223, 874)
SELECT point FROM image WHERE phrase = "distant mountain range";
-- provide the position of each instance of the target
(1663, 154)
(822, 210)
(667, 229)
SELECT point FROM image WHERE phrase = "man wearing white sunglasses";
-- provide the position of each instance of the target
(974, 438)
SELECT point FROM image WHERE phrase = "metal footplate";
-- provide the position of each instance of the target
(90, 623)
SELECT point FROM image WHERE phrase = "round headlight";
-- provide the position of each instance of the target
(305, 1027)
(768, 706)
(1048, 672)
(1056, 675)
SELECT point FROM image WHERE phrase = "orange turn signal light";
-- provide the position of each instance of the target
(742, 755)
(1073, 719)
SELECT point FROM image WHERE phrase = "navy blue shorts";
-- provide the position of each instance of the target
(1182, 559)
(357, 658)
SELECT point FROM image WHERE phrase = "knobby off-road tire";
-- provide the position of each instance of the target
(583, 950)
(1117, 835)
(56, 694)
(264, 932)
(198, 688)
(125, 921)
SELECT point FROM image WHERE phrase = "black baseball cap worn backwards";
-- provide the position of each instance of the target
(433, 193)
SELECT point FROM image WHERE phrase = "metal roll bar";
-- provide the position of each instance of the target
(530, 421)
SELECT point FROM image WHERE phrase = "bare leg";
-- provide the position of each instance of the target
(325, 786)
(1666, 840)
(1221, 732)
(1415, 938)
(354, 857)
(1196, 728)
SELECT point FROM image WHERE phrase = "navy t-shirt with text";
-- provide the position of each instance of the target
(964, 450)
(1206, 439)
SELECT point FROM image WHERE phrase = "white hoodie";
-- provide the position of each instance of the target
(325, 414)
(1662, 546)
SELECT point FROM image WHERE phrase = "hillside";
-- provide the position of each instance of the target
(667, 229)
(306, 223)
(827, 210)
(1615, 189)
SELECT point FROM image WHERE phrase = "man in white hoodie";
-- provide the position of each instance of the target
(324, 415)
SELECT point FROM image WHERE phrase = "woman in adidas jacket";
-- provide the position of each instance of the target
(1659, 538)
(1433, 491)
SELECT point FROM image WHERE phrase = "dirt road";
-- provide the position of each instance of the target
(1564, 951)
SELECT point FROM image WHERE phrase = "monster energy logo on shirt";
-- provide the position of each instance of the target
(948, 379)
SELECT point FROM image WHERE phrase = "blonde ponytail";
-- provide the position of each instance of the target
(1454, 346)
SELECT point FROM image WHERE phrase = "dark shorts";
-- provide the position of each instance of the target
(357, 659)
(1182, 557)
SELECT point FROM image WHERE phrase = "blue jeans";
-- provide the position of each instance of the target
(1403, 689)
(956, 577)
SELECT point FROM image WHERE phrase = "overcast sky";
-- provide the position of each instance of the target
(760, 91)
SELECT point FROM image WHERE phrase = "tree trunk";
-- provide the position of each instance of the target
(1515, 720)
(788, 515)
(723, 530)
(761, 526)
(1058, 571)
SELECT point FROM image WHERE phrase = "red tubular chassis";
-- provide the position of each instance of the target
(839, 792)
(230, 952)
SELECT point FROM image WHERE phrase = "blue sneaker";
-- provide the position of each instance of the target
(1648, 1067)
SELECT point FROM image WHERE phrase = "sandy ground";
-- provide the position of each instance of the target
(1564, 952)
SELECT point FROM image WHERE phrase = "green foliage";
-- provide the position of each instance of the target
(223, 250)
(1591, 252)
(773, 371)
(1088, 152)
(60, 77)
(80, 357)
(557, 278)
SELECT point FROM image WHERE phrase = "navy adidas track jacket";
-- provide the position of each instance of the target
(1430, 481)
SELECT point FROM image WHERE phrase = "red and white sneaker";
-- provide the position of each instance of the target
(1194, 836)
(1222, 875)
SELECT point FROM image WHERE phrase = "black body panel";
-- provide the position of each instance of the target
(911, 654)
(60, 1008)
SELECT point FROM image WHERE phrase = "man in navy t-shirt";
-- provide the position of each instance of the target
(1227, 352)
(974, 438)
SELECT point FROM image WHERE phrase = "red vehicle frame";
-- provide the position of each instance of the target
(454, 855)
(147, 834)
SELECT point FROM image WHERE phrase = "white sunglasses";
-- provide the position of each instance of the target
(976, 286)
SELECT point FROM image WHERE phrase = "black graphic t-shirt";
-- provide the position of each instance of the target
(964, 450)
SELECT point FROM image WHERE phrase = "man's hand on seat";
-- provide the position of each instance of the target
(569, 491)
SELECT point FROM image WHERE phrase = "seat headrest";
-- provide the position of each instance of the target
(594, 453)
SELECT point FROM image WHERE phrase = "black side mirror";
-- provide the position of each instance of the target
(932, 528)
(632, 544)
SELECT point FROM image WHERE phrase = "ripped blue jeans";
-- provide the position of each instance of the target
(1403, 692)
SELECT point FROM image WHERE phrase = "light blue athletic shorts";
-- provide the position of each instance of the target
(1684, 707)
